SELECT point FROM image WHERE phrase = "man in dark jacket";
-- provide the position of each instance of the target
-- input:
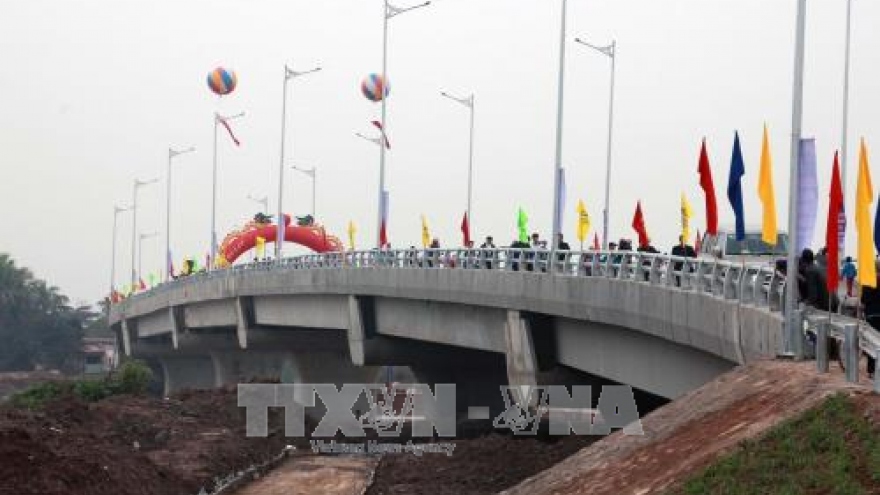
(815, 284)
(684, 250)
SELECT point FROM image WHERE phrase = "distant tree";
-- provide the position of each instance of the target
(38, 327)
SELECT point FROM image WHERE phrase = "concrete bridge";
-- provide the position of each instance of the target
(478, 318)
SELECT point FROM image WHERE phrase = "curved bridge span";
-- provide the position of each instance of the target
(661, 324)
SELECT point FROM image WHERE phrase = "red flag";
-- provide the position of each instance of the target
(709, 190)
(229, 130)
(382, 130)
(639, 225)
(383, 235)
(595, 241)
(466, 231)
(698, 242)
(835, 208)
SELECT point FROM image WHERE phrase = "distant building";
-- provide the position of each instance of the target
(99, 355)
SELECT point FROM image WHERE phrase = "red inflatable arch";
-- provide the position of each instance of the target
(241, 241)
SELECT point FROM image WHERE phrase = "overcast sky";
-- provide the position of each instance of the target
(93, 93)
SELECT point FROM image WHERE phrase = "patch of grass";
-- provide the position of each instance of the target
(132, 377)
(831, 448)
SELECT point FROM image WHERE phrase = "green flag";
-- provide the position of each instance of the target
(522, 222)
(152, 279)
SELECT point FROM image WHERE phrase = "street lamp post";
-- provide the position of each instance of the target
(313, 173)
(469, 103)
(611, 52)
(262, 201)
(845, 123)
(288, 75)
(116, 211)
(217, 119)
(137, 185)
(389, 12)
(557, 176)
(141, 238)
(171, 154)
(793, 332)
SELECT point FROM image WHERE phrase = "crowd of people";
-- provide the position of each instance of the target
(813, 291)
(534, 253)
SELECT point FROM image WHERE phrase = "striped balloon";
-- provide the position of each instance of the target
(374, 87)
(222, 81)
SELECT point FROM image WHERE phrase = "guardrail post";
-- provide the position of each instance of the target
(851, 351)
(822, 347)
(876, 375)
(794, 334)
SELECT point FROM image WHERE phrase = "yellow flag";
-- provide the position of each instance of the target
(686, 213)
(583, 227)
(426, 235)
(261, 247)
(766, 194)
(864, 228)
(351, 231)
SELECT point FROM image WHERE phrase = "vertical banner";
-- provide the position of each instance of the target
(808, 194)
(560, 208)
(383, 229)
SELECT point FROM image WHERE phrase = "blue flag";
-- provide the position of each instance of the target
(734, 188)
(877, 224)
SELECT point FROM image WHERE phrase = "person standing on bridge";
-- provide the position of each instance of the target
(681, 250)
(433, 255)
(488, 248)
(814, 283)
(561, 245)
(849, 273)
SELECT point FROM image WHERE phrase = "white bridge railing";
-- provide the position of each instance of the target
(750, 283)
(759, 285)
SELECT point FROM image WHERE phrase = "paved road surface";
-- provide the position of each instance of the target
(316, 475)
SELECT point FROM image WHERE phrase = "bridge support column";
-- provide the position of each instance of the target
(522, 363)
(126, 337)
(176, 317)
(355, 331)
(244, 319)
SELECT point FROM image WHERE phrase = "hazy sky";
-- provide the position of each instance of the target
(93, 93)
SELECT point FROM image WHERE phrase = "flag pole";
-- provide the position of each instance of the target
(557, 171)
(796, 123)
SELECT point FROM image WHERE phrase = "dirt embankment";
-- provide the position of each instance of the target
(128, 445)
(687, 435)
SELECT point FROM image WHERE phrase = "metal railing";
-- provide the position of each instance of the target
(756, 284)
(852, 336)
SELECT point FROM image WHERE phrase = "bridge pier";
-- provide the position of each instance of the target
(181, 372)
(522, 362)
